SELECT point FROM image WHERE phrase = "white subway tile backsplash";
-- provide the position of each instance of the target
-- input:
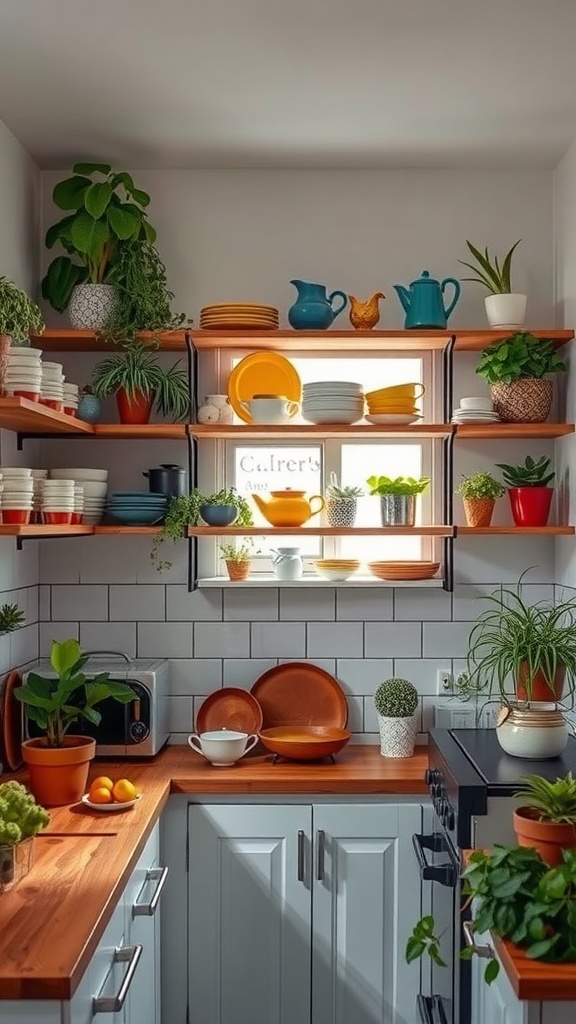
(467, 603)
(49, 631)
(24, 645)
(335, 639)
(361, 675)
(199, 606)
(109, 636)
(422, 672)
(88, 604)
(164, 639)
(195, 675)
(181, 714)
(371, 717)
(302, 604)
(246, 605)
(221, 639)
(139, 603)
(58, 564)
(6, 663)
(328, 664)
(441, 637)
(359, 604)
(277, 640)
(355, 721)
(243, 672)
(393, 640)
(419, 605)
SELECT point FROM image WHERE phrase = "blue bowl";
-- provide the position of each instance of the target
(219, 515)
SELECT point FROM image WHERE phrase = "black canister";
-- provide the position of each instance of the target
(167, 479)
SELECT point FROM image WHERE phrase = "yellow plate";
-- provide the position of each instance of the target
(238, 305)
(238, 316)
(262, 373)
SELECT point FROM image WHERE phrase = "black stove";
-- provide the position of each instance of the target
(502, 773)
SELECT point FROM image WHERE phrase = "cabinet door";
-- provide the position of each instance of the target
(142, 897)
(102, 979)
(366, 897)
(497, 1003)
(249, 914)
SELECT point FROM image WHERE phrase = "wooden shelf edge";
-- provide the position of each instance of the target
(138, 531)
(489, 431)
(68, 340)
(23, 416)
(140, 432)
(320, 531)
(536, 531)
(39, 531)
(222, 431)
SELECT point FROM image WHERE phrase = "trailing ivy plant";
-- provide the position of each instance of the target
(19, 315)
(184, 511)
(144, 299)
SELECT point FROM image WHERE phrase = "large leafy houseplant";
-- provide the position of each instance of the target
(136, 373)
(518, 369)
(19, 315)
(103, 210)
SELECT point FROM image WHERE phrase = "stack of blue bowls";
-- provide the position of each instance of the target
(137, 508)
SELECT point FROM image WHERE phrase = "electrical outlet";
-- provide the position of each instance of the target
(444, 681)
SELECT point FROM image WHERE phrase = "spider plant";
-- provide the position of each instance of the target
(136, 370)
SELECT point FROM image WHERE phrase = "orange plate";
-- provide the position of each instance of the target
(300, 694)
(305, 742)
(230, 708)
(11, 719)
(404, 570)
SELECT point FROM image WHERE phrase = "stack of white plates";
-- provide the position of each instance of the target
(475, 410)
(78, 513)
(38, 478)
(17, 488)
(52, 386)
(94, 483)
(24, 372)
(71, 398)
(57, 502)
(332, 402)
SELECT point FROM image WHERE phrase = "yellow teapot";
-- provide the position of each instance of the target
(288, 508)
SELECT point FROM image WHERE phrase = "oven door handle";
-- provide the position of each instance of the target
(445, 874)
(431, 1010)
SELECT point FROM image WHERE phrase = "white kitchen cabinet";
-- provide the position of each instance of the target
(142, 899)
(299, 914)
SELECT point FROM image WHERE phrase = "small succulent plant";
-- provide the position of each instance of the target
(531, 474)
(396, 698)
(11, 618)
(337, 493)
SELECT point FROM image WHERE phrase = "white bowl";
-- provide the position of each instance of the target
(476, 403)
(333, 403)
(336, 416)
(32, 388)
(7, 471)
(95, 489)
(16, 504)
(17, 487)
(47, 364)
(331, 385)
(39, 474)
(335, 575)
(79, 474)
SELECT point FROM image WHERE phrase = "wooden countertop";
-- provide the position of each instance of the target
(52, 921)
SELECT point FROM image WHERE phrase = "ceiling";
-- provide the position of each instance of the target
(290, 83)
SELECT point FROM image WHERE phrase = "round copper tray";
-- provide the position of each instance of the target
(11, 722)
(230, 708)
(305, 742)
(300, 694)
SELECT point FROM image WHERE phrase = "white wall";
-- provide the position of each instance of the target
(19, 261)
(242, 235)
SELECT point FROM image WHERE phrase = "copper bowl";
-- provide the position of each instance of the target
(305, 742)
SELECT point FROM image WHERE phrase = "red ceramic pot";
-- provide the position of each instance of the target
(530, 505)
(539, 689)
(57, 518)
(50, 403)
(76, 519)
(69, 410)
(32, 396)
(15, 516)
(136, 409)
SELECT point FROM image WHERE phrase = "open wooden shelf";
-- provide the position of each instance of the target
(536, 531)
(140, 431)
(290, 431)
(320, 531)
(46, 531)
(26, 417)
(88, 341)
(108, 529)
(490, 431)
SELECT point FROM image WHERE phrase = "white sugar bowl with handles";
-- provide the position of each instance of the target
(222, 747)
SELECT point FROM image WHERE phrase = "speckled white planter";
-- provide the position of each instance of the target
(397, 736)
(91, 306)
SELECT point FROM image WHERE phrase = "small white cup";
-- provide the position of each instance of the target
(271, 409)
(223, 747)
(479, 404)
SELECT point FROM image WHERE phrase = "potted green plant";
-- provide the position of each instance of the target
(185, 511)
(516, 896)
(548, 820)
(504, 308)
(238, 559)
(138, 380)
(144, 299)
(19, 318)
(479, 493)
(11, 618)
(528, 490)
(341, 503)
(396, 701)
(517, 370)
(103, 210)
(21, 818)
(57, 761)
(397, 498)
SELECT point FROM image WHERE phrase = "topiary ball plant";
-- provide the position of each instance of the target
(396, 701)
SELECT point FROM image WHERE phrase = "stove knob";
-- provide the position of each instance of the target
(430, 776)
(449, 820)
(440, 806)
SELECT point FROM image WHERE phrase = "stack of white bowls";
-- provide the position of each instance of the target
(94, 483)
(71, 398)
(52, 386)
(24, 372)
(475, 410)
(331, 401)
(38, 478)
(78, 514)
(17, 500)
(57, 502)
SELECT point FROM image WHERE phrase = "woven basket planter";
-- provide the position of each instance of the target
(238, 570)
(478, 511)
(397, 736)
(527, 400)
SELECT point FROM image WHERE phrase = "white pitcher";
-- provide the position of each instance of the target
(287, 563)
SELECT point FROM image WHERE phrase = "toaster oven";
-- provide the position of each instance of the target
(138, 729)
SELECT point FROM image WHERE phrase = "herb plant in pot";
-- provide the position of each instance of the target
(138, 380)
(238, 559)
(341, 503)
(19, 318)
(186, 510)
(103, 210)
(547, 821)
(21, 818)
(58, 762)
(479, 493)
(504, 308)
(397, 498)
(396, 701)
(528, 490)
(517, 370)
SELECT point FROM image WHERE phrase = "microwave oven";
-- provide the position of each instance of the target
(138, 729)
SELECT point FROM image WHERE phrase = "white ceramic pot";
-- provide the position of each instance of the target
(535, 733)
(91, 306)
(397, 736)
(506, 311)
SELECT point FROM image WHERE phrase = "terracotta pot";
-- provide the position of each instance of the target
(238, 570)
(547, 837)
(58, 775)
(5, 342)
(527, 400)
(539, 689)
(136, 409)
(478, 511)
(530, 505)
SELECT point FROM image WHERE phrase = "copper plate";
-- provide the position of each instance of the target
(11, 718)
(305, 742)
(230, 708)
(300, 694)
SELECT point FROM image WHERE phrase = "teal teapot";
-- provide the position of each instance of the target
(313, 309)
(424, 302)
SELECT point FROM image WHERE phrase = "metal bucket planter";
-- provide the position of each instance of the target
(15, 862)
(398, 509)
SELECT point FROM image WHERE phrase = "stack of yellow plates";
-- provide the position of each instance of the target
(239, 316)
(404, 570)
(396, 404)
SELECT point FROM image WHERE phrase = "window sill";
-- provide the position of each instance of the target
(263, 580)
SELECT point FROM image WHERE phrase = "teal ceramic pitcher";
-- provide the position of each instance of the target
(313, 310)
(424, 302)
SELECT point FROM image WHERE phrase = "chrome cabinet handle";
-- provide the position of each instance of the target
(482, 951)
(149, 909)
(300, 855)
(320, 845)
(113, 1004)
